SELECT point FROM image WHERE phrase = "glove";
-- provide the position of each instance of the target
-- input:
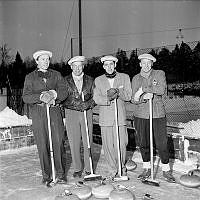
(112, 93)
(148, 96)
(47, 96)
(85, 106)
(138, 94)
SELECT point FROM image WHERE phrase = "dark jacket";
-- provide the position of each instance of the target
(34, 85)
(74, 100)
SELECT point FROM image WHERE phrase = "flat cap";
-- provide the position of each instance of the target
(76, 59)
(109, 58)
(42, 52)
(146, 56)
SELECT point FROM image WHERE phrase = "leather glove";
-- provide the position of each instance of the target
(46, 96)
(138, 94)
(148, 96)
(85, 106)
(112, 93)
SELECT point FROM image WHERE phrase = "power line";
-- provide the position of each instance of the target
(66, 35)
(137, 33)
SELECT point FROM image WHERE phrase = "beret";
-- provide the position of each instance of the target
(41, 52)
(76, 59)
(146, 56)
(109, 58)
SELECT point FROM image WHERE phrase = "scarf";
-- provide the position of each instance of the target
(45, 75)
(111, 75)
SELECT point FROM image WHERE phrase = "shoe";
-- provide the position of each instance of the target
(77, 174)
(61, 180)
(47, 182)
(145, 174)
(169, 177)
(87, 173)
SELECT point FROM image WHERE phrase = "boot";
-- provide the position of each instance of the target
(169, 177)
(145, 174)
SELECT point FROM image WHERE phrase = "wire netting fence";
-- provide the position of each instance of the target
(182, 101)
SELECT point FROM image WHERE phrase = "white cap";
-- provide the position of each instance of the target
(146, 56)
(109, 58)
(42, 52)
(76, 59)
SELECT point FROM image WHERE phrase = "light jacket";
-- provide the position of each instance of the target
(156, 84)
(106, 108)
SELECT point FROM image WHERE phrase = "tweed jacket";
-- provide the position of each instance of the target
(156, 84)
(74, 100)
(34, 85)
(106, 108)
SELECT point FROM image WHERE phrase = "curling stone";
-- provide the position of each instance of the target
(121, 194)
(130, 165)
(83, 192)
(102, 191)
(194, 172)
(191, 181)
(66, 196)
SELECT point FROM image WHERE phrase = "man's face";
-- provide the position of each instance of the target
(109, 66)
(77, 68)
(43, 62)
(146, 65)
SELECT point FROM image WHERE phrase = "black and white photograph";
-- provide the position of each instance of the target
(100, 99)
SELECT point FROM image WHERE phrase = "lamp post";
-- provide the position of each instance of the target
(180, 36)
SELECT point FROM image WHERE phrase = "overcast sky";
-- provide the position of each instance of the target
(29, 25)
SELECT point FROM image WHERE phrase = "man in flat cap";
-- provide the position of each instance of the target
(46, 86)
(108, 87)
(150, 84)
(80, 99)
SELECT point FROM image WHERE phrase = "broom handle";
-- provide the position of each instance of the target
(87, 136)
(50, 144)
(117, 134)
(151, 135)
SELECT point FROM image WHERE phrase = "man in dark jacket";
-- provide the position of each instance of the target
(79, 84)
(150, 84)
(46, 86)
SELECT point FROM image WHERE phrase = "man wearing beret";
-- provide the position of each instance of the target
(108, 87)
(150, 84)
(46, 86)
(79, 85)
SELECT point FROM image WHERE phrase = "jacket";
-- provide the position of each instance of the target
(107, 109)
(74, 100)
(34, 85)
(156, 84)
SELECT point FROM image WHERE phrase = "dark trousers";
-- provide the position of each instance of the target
(40, 130)
(142, 127)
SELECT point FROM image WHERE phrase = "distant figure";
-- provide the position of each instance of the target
(108, 87)
(150, 83)
(45, 86)
(79, 84)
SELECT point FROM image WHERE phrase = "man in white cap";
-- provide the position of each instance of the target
(150, 84)
(79, 85)
(108, 87)
(46, 86)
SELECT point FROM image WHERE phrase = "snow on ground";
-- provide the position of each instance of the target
(9, 118)
(191, 128)
(21, 177)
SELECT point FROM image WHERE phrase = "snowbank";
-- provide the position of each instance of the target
(191, 128)
(9, 118)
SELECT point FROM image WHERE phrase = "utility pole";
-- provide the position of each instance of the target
(71, 47)
(80, 28)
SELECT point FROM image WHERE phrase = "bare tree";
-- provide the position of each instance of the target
(5, 57)
(5, 61)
